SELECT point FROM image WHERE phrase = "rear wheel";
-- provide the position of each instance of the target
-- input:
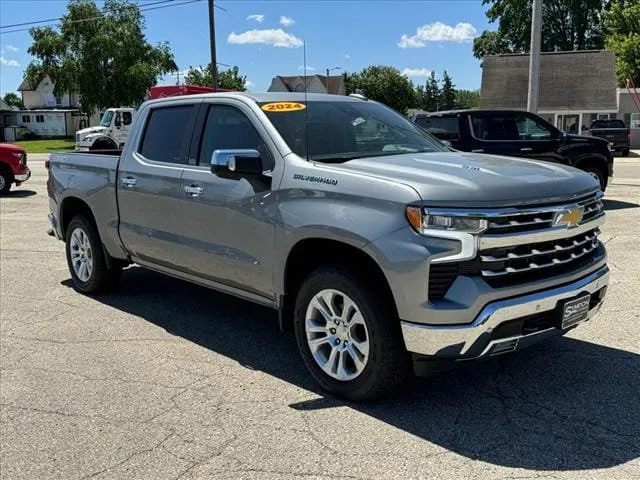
(348, 335)
(86, 258)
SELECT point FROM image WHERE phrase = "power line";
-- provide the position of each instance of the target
(153, 6)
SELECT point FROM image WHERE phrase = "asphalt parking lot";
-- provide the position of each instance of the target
(166, 380)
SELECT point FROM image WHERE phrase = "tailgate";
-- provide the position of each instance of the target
(617, 136)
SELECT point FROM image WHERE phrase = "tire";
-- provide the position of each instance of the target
(96, 276)
(5, 182)
(387, 363)
(598, 175)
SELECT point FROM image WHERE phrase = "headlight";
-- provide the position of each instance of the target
(424, 222)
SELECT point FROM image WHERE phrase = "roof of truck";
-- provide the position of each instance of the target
(270, 97)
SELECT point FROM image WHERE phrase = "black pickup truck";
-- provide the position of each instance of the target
(519, 134)
(613, 131)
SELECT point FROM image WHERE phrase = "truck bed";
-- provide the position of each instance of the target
(90, 177)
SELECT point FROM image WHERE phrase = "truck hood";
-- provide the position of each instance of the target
(477, 180)
(89, 130)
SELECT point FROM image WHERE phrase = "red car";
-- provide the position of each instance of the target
(13, 167)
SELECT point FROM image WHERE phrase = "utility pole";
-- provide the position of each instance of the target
(534, 56)
(212, 40)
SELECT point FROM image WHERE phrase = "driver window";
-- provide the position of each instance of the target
(228, 128)
(529, 129)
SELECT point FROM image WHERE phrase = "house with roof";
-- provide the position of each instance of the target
(47, 114)
(314, 84)
(576, 88)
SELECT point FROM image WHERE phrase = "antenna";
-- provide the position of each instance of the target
(306, 103)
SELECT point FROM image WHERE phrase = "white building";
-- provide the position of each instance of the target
(48, 115)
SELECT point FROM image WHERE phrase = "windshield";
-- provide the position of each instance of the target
(106, 118)
(341, 131)
(607, 124)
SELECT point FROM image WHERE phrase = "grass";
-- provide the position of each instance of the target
(46, 146)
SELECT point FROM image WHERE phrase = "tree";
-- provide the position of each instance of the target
(107, 59)
(566, 25)
(384, 84)
(430, 100)
(13, 100)
(622, 23)
(467, 99)
(229, 79)
(448, 93)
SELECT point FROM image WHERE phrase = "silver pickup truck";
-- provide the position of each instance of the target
(381, 248)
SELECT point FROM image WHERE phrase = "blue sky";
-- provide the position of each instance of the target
(263, 37)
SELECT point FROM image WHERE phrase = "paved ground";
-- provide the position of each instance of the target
(166, 380)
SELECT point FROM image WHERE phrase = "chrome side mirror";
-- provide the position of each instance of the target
(240, 161)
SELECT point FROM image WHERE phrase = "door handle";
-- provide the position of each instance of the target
(477, 150)
(526, 149)
(194, 190)
(128, 181)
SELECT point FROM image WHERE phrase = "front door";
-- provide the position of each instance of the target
(495, 133)
(228, 220)
(149, 188)
(537, 139)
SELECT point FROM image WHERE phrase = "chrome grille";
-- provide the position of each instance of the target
(528, 258)
(527, 220)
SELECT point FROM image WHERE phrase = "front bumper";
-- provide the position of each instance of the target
(505, 325)
(22, 177)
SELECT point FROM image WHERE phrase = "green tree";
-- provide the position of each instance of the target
(467, 99)
(229, 79)
(13, 100)
(566, 25)
(107, 59)
(448, 93)
(384, 84)
(431, 99)
(622, 22)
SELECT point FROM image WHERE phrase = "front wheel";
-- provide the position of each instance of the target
(86, 259)
(5, 183)
(598, 175)
(349, 336)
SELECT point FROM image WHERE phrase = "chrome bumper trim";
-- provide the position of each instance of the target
(23, 177)
(474, 340)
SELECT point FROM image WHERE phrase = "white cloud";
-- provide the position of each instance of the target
(8, 48)
(463, 32)
(347, 56)
(258, 17)
(416, 72)
(275, 37)
(309, 68)
(286, 21)
(8, 63)
(249, 84)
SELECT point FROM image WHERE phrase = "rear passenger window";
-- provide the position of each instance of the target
(229, 128)
(165, 135)
(444, 128)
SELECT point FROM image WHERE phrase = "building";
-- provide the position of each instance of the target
(7, 119)
(48, 115)
(575, 88)
(314, 84)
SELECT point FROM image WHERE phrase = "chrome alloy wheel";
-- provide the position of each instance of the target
(81, 254)
(337, 335)
(3, 182)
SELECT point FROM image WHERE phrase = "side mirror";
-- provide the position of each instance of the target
(447, 143)
(117, 122)
(238, 161)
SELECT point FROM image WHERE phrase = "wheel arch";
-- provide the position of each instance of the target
(595, 161)
(311, 253)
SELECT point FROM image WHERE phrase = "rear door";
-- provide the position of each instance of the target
(227, 220)
(149, 186)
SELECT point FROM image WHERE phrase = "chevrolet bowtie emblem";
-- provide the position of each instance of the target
(570, 217)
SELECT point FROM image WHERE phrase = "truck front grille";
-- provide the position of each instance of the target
(507, 258)
(529, 220)
(538, 258)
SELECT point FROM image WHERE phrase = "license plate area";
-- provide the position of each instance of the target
(575, 311)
